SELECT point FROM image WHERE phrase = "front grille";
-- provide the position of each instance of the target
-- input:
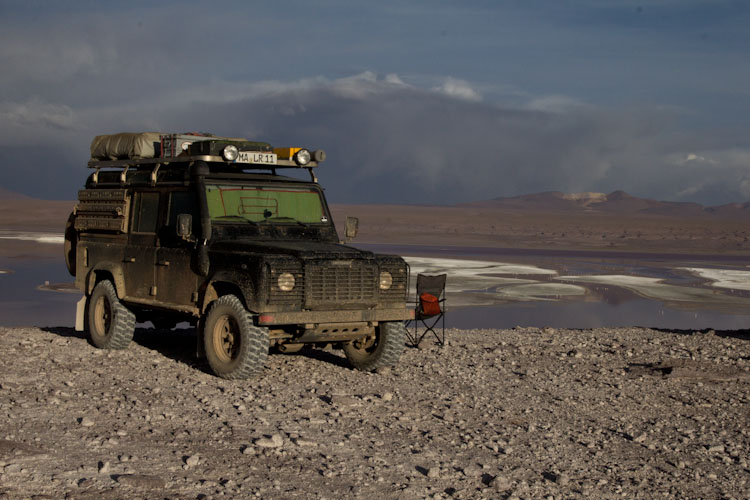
(293, 296)
(342, 282)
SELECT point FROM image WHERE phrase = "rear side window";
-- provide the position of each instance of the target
(145, 212)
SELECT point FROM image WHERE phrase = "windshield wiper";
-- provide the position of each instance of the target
(236, 217)
(286, 219)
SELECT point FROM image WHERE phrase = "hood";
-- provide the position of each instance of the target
(300, 249)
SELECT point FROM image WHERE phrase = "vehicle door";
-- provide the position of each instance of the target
(140, 252)
(176, 279)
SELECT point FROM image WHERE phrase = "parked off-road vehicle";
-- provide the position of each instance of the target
(203, 229)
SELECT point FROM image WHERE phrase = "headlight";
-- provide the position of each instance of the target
(286, 282)
(386, 280)
(302, 157)
(230, 152)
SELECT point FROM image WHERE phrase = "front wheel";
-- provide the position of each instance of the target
(235, 348)
(109, 324)
(383, 348)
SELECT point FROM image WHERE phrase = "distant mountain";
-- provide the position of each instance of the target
(617, 202)
(6, 194)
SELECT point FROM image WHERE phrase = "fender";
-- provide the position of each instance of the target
(221, 283)
(112, 268)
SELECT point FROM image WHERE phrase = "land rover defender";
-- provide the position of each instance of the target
(204, 229)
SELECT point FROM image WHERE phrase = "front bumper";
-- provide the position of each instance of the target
(318, 317)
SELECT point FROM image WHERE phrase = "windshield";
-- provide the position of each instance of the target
(264, 203)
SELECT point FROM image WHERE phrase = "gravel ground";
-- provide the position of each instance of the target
(521, 413)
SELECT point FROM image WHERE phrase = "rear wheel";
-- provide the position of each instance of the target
(109, 324)
(235, 348)
(383, 348)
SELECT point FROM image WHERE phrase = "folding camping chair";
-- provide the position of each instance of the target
(429, 309)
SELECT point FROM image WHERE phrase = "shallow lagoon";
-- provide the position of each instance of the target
(492, 288)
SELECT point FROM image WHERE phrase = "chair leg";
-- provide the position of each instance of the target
(440, 337)
(442, 340)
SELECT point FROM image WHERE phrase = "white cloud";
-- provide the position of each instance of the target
(554, 104)
(394, 79)
(36, 113)
(460, 89)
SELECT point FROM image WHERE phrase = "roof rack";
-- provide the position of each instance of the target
(156, 163)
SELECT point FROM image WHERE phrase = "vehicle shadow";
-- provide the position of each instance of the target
(323, 355)
(735, 334)
(180, 344)
(64, 331)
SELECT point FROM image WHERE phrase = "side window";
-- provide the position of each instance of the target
(180, 202)
(145, 212)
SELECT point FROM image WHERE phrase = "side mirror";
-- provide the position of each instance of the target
(184, 226)
(352, 228)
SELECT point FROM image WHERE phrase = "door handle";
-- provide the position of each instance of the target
(129, 259)
(163, 263)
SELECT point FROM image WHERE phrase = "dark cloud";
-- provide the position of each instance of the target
(392, 142)
(396, 143)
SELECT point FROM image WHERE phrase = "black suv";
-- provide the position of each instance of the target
(215, 236)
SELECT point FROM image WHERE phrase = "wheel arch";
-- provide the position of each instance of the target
(106, 270)
(217, 288)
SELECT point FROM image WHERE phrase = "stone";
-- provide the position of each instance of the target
(274, 441)
(141, 481)
(104, 467)
(501, 483)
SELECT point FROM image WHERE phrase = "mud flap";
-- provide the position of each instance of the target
(80, 311)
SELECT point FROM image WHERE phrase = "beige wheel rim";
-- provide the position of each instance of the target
(226, 339)
(102, 316)
(366, 344)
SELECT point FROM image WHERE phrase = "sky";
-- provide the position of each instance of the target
(418, 102)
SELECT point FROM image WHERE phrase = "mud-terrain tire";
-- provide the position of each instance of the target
(382, 349)
(109, 324)
(235, 347)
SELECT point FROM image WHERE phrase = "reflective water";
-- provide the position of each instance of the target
(511, 294)
(22, 303)
(620, 289)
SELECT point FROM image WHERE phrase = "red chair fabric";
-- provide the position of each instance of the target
(429, 304)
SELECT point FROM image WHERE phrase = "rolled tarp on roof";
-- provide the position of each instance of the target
(126, 145)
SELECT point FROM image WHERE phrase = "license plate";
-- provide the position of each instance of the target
(255, 157)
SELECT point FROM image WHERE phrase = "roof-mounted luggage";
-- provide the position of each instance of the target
(153, 149)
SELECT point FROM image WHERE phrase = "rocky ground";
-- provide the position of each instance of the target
(522, 413)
